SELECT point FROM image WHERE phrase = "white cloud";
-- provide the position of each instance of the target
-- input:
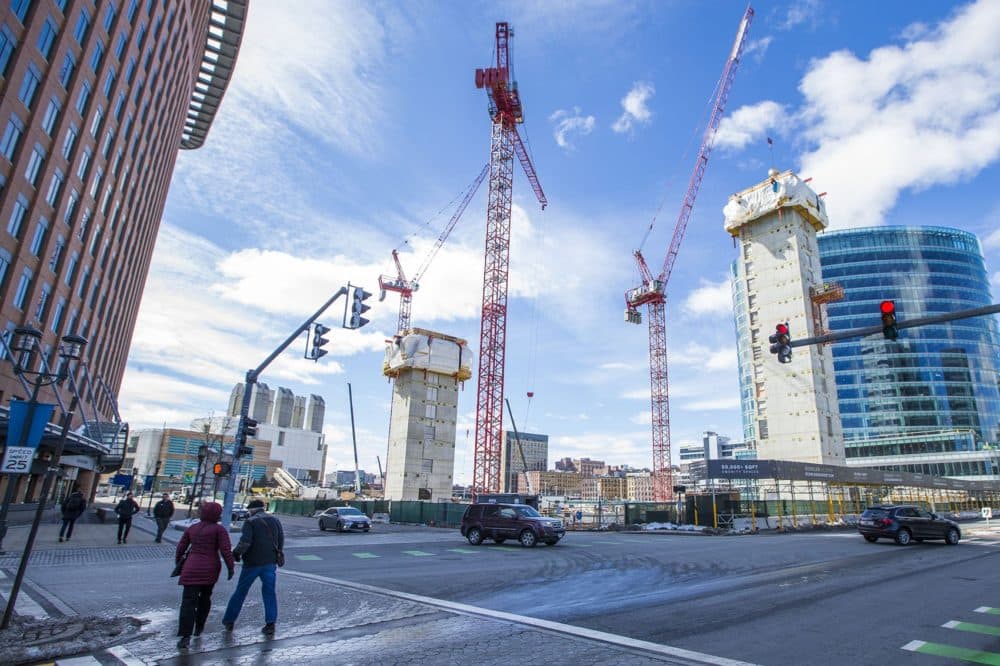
(567, 123)
(711, 298)
(715, 404)
(698, 355)
(801, 11)
(758, 48)
(993, 240)
(635, 109)
(750, 123)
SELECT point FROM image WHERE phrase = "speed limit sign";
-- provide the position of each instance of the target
(987, 512)
(17, 460)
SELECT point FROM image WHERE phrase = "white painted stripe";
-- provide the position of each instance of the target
(913, 646)
(51, 598)
(951, 624)
(25, 604)
(125, 656)
(2, 575)
(78, 661)
(548, 625)
(983, 609)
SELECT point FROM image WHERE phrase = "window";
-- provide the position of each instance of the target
(109, 138)
(55, 187)
(120, 46)
(118, 161)
(71, 269)
(11, 136)
(132, 6)
(84, 221)
(84, 278)
(74, 200)
(81, 171)
(157, 25)
(109, 82)
(81, 101)
(35, 163)
(51, 115)
(148, 58)
(20, 8)
(430, 411)
(96, 185)
(432, 394)
(30, 85)
(66, 72)
(7, 45)
(70, 141)
(71, 322)
(140, 35)
(39, 238)
(138, 89)
(22, 289)
(119, 105)
(57, 252)
(61, 4)
(130, 71)
(57, 316)
(97, 56)
(6, 259)
(107, 198)
(109, 17)
(128, 126)
(429, 433)
(82, 26)
(94, 240)
(95, 126)
(48, 37)
(17, 215)
(43, 301)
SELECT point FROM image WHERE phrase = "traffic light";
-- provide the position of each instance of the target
(317, 351)
(245, 451)
(250, 427)
(221, 468)
(358, 308)
(889, 328)
(781, 342)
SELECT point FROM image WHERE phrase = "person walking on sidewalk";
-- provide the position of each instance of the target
(163, 512)
(125, 509)
(261, 549)
(207, 540)
(73, 507)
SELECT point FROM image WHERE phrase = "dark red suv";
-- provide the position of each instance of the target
(510, 521)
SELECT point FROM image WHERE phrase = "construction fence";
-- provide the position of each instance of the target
(415, 512)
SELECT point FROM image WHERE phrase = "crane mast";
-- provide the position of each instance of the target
(652, 291)
(505, 112)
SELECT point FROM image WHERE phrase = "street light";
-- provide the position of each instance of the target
(27, 341)
(196, 486)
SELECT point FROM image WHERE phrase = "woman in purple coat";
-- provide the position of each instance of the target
(208, 540)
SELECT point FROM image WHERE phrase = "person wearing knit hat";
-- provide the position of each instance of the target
(261, 549)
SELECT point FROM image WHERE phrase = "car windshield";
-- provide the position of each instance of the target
(527, 512)
(350, 511)
(875, 513)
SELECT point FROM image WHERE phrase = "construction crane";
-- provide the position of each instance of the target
(652, 290)
(506, 113)
(404, 287)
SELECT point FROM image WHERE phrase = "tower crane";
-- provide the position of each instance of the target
(652, 290)
(404, 287)
(506, 113)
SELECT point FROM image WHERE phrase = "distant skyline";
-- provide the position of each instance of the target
(344, 135)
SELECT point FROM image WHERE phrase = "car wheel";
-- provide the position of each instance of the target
(952, 537)
(322, 525)
(903, 537)
(475, 536)
(871, 539)
(499, 540)
(528, 539)
(340, 526)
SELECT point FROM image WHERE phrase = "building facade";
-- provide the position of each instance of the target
(928, 402)
(791, 408)
(530, 452)
(96, 99)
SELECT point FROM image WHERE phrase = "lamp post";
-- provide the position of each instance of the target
(26, 344)
(71, 349)
(196, 487)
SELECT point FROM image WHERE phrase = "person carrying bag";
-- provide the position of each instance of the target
(261, 548)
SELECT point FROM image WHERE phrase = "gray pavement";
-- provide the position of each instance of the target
(322, 620)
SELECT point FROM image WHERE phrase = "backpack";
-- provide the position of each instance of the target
(74, 503)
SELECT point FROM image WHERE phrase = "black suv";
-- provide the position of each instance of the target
(510, 521)
(906, 523)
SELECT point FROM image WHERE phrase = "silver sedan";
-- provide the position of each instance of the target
(344, 518)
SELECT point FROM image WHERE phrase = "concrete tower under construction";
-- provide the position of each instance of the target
(427, 368)
(794, 413)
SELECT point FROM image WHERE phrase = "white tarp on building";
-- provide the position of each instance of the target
(425, 350)
(781, 190)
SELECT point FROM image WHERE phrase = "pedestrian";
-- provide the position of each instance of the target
(163, 512)
(73, 506)
(125, 509)
(207, 540)
(261, 550)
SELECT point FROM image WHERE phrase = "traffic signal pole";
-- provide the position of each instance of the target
(251, 380)
(912, 323)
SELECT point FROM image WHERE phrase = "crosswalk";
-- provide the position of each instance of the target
(25, 604)
(985, 627)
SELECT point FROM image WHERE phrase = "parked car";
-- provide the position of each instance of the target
(341, 518)
(905, 523)
(240, 512)
(500, 522)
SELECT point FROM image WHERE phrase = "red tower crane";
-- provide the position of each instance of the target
(652, 290)
(404, 287)
(506, 113)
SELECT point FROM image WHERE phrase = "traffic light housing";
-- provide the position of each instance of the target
(781, 343)
(318, 341)
(890, 331)
(222, 468)
(358, 308)
(245, 451)
(249, 428)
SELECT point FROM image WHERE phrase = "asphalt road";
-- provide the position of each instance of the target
(816, 598)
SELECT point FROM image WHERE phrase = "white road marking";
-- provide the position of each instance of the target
(123, 655)
(558, 627)
(913, 646)
(983, 609)
(25, 604)
(78, 661)
(951, 624)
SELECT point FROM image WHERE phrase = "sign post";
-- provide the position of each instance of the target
(987, 512)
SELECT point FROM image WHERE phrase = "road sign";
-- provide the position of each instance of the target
(40, 414)
(579, 515)
(987, 512)
(17, 459)
(122, 480)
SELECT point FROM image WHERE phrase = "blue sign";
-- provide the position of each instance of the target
(19, 417)
(579, 515)
(147, 483)
(122, 480)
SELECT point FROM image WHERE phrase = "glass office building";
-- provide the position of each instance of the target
(928, 402)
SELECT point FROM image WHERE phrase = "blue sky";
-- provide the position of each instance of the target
(349, 125)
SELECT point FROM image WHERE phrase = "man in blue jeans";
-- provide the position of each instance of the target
(260, 545)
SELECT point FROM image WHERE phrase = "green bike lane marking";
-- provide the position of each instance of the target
(463, 550)
(364, 556)
(987, 609)
(309, 558)
(418, 553)
(972, 627)
(941, 650)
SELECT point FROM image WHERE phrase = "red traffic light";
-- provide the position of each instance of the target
(217, 469)
(781, 329)
(887, 307)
